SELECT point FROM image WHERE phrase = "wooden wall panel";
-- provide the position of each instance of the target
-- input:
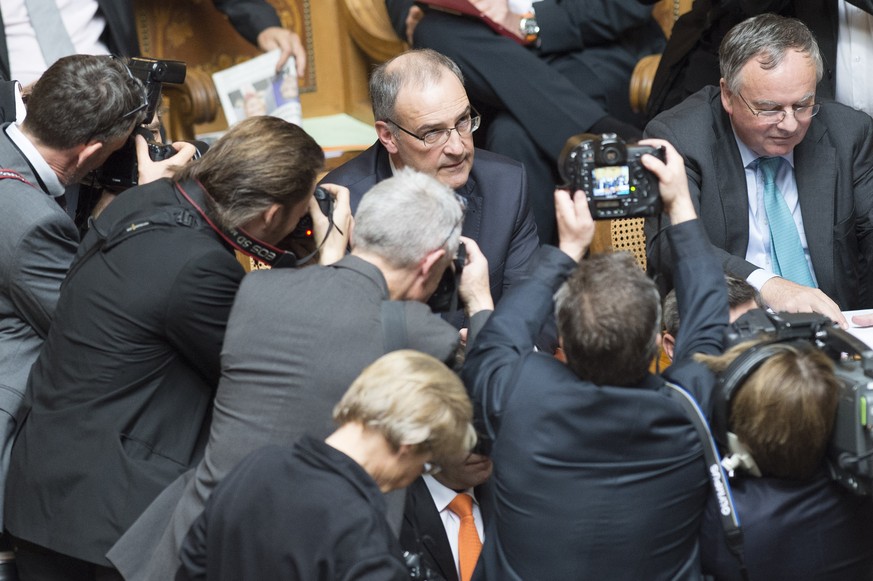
(195, 32)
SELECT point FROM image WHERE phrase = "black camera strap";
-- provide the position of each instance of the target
(247, 244)
(730, 521)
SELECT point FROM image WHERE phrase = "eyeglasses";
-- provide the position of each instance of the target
(774, 116)
(431, 468)
(436, 137)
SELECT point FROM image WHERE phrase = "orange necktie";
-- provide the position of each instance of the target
(469, 545)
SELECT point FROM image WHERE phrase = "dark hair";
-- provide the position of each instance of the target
(260, 161)
(608, 315)
(415, 67)
(83, 98)
(739, 293)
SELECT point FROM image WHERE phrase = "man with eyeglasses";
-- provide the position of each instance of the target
(424, 121)
(783, 184)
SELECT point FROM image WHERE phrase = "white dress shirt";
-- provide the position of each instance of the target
(855, 58)
(442, 496)
(81, 19)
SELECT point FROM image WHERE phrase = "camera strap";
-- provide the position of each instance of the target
(727, 512)
(245, 243)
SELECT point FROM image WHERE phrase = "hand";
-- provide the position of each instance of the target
(475, 287)
(288, 42)
(575, 224)
(337, 241)
(673, 181)
(863, 320)
(783, 295)
(149, 170)
(412, 19)
(498, 11)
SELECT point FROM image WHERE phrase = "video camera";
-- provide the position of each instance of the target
(121, 169)
(850, 453)
(610, 173)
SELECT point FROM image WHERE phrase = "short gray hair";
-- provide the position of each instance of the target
(419, 68)
(405, 217)
(767, 38)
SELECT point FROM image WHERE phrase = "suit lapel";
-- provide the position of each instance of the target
(427, 523)
(733, 193)
(815, 170)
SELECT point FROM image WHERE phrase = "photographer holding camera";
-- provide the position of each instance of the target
(80, 111)
(798, 522)
(119, 400)
(333, 321)
(598, 470)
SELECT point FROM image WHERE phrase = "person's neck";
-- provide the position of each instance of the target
(365, 446)
(64, 162)
(400, 281)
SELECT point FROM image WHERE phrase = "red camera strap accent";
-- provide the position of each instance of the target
(240, 240)
(14, 175)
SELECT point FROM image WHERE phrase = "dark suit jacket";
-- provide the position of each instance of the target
(325, 519)
(595, 480)
(272, 391)
(812, 529)
(249, 17)
(690, 60)
(498, 213)
(423, 531)
(834, 173)
(119, 400)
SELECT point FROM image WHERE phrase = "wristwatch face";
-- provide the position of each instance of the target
(529, 28)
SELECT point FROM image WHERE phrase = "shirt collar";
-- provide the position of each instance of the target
(45, 173)
(442, 495)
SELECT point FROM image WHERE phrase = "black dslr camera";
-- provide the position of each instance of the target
(850, 453)
(120, 171)
(610, 173)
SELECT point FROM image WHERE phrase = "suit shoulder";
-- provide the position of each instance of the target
(495, 162)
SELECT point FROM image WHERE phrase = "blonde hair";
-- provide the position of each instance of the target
(411, 398)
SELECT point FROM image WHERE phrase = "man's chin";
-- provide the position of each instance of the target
(455, 176)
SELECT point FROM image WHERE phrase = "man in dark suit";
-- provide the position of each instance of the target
(431, 528)
(425, 121)
(119, 401)
(255, 20)
(690, 60)
(597, 469)
(572, 75)
(766, 109)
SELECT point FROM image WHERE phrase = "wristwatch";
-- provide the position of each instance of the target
(529, 28)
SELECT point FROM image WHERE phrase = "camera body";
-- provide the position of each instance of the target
(325, 201)
(850, 452)
(612, 176)
(121, 170)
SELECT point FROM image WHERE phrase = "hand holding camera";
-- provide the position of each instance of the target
(612, 175)
(160, 160)
(332, 222)
(669, 170)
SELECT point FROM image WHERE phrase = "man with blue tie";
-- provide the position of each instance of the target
(782, 183)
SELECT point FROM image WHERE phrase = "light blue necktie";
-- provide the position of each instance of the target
(786, 250)
(53, 38)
